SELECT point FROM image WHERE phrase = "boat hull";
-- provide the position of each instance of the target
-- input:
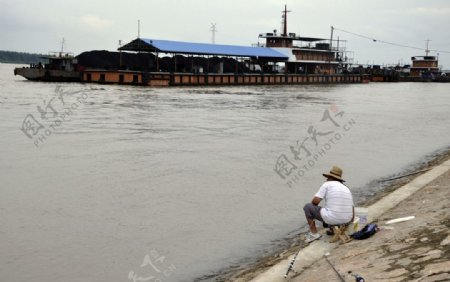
(225, 79)
(41, 74)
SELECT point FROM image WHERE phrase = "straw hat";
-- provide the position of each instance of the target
(335, 172)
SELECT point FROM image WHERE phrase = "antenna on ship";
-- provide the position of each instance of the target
(427, 51)
(120, 53)
(213, 31)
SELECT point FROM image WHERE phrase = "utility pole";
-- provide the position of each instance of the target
(213, 30)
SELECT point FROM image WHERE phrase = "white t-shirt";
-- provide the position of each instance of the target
(338, 207)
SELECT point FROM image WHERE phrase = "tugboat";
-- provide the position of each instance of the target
(61, 67)
(425, 68)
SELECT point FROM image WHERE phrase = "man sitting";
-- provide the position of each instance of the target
(339, 208)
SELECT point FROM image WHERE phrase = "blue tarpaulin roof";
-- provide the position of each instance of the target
(179, 47)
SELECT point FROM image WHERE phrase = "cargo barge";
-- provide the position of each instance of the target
(283, 58)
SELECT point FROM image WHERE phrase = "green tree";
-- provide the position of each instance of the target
(19, 57)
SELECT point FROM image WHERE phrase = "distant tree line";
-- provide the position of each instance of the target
(19, 57)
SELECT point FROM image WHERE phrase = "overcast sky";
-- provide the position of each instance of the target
(39, 26)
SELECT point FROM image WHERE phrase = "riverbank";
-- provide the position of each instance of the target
(390, 250)
(415, 250)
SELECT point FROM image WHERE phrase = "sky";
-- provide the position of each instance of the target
(40, 26)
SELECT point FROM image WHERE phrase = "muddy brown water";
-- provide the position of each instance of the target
(115, 183)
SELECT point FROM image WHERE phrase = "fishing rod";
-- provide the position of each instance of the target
(405, 175)
(291, 264)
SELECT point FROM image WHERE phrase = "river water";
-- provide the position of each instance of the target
(118, 183)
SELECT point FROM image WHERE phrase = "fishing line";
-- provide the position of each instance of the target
(332, 266)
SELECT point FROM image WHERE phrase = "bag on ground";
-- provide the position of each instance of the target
(366, 232)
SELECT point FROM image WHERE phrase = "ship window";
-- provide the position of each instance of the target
(102, 77)
(121, 79)
(88, 77)
(135, 78)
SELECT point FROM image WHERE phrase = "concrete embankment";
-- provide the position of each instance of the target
(415, 250)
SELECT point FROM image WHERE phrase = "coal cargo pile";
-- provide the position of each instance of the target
(147, 62)
(111, 61)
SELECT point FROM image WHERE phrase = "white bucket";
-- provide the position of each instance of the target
(361, 216)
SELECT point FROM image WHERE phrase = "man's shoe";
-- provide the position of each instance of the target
(312, 236)
(330, 232)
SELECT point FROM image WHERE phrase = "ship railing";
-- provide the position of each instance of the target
(55, 54)
(258, 45)
(313, 47)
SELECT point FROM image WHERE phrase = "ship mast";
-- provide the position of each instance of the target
(284, 22)
(63, 41)
(139, 29)
(427, 51)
